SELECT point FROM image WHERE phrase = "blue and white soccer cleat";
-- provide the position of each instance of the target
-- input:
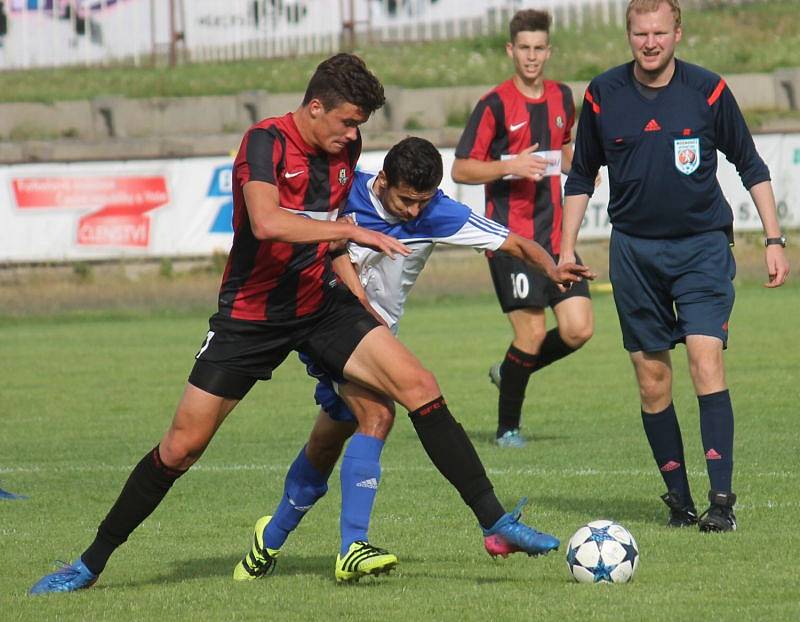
(68, 578)
(511, 439)
(517, 536)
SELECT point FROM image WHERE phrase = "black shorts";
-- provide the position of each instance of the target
(519, 285)
(236, 353)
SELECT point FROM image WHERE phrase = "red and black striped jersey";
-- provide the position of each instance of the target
(505, 122)
(270, 280)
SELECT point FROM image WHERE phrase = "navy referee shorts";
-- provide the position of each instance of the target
(666, 289)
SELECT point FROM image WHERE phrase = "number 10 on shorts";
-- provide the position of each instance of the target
(520, 285)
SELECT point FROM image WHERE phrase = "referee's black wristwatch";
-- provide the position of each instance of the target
(779, 241)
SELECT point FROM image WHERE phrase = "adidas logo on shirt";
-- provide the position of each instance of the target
(652, 126)
(368, 483)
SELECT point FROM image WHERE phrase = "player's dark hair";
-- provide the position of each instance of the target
(344, 78)
(649, 6)
(415, 162)
(529, 20)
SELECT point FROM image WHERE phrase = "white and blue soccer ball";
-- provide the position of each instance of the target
(602, 551)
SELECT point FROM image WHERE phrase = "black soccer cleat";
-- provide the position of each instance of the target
(719, 516)
(681, 513)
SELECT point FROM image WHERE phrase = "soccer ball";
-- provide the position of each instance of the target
(602, 551)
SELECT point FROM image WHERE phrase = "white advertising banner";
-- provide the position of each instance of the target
(106, 210)
(173, 208)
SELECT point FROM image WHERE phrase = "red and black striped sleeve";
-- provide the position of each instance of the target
(476, 140)
(261, 156)
(569, 112)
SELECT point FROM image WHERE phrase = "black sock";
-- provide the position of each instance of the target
(514, 373)
(664, 435)
(553, 348)
(716, 430)
(149, 481)
(451, 451)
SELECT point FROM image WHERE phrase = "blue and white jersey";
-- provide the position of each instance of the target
(387, 282)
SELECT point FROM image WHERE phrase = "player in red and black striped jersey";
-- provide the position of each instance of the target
(274, 280)
(279, 294)
(518, 142)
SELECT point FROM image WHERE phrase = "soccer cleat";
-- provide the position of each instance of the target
(260, 560)
(362, 559)
(68, 578)
(496, 546)
(719, 516)
(509, 535)
(511, 439)
(681, 514)
(494, 374)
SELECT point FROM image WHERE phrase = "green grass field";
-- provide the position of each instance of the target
(84, 397)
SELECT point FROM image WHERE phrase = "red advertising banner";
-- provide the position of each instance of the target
(118, 205)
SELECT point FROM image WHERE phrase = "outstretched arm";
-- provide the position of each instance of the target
(777, 264)
(564, 274)
(269, 222)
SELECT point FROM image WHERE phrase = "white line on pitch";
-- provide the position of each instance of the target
(541, 471)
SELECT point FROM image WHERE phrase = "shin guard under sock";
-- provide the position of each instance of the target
(716, 430)
(147, 485)
(360, 476)
(664, 435)
(303, 487)
(514, 373)
(453, 454)
(553, 349)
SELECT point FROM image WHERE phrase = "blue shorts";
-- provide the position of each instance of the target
(666, 289)
(325, 392)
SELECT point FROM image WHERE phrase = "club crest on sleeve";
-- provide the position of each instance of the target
(687, 155)
(343, 176)
(559, 122)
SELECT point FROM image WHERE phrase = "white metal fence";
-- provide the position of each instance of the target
(42, 33)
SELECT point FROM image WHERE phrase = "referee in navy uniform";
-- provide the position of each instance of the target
(657, 123)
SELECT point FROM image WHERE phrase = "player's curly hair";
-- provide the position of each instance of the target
(529, 20)
(415, 162)
(649, 6)
(344, 78)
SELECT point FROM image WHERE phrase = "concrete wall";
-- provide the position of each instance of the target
(118, 127)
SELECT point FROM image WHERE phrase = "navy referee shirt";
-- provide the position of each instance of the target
(662, 153)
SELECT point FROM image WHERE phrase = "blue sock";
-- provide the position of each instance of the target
(664, 435)
(360, 475)
(716, 430)
(303, 486)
